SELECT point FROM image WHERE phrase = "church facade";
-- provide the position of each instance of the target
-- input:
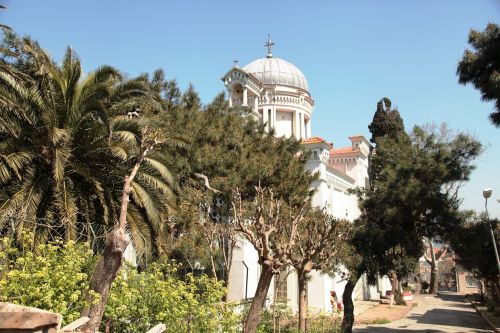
(278, 95)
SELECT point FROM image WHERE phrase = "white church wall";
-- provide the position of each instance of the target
(320, 197)
(292, 291)
(245, 258)
(318, 289)
(337, 205)
(284, 123)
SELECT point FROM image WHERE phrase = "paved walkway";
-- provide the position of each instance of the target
(434, 314)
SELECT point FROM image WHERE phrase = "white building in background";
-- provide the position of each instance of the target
(278, 94)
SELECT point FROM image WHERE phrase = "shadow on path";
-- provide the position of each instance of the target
(381, 329)
(447, 317)
(442, 313)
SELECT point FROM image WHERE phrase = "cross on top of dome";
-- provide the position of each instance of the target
(269, 44)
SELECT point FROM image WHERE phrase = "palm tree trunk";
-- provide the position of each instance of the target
(302, 281)
(348, 320)
(255, 311)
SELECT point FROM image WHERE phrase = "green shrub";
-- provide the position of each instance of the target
(287, 322)
(138, 301)
(55, 277)
(51, 276)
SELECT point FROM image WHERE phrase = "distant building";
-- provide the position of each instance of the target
(450, 275)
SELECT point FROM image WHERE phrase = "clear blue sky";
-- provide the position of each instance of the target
(352, 52)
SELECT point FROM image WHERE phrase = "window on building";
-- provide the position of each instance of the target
(471, 281)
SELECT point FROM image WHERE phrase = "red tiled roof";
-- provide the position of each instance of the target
(342, 150)
(346, 151)
(314, 139)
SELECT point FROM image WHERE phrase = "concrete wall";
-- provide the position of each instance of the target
(463, 287)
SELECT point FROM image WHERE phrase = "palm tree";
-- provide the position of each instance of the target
(3, 26)
(65, 145)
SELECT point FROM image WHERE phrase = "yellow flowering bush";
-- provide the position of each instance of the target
(51, 276)
(138, 301)
(55, 277)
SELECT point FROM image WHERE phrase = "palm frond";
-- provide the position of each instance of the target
(143, 199)
(139, 233)
(162, 169)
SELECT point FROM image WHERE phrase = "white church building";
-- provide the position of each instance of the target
(278, 94)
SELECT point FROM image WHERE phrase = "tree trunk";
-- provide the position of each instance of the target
(395, 290)
(255, 311)
(302, 281)
(348, 320)
(108, 266)
(434, 270)
(105, 272)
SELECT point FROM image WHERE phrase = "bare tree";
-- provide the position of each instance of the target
(271, 227)
(434, 261)
(109, 265)
(321, 245)
(221, 237)
(218, 229)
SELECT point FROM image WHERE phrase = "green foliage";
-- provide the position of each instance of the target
(56, 275)
(287, 322)
(138, 301)
(472, 243)
(233, 150)
(481, 66)
(65, 145)
(413, 195)
(386, 121)
(52, 276)
(381, 321)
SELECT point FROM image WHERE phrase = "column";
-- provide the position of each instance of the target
(309, 129)
(273, 117)
(265, 117)
(296, 123)
(245, 96)
(230, 97)
(302, 134)
(256, 103)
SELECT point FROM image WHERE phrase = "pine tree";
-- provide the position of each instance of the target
(481, 66)
(386, 121)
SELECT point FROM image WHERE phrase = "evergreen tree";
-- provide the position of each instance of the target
(481, 66)
(190, 99)
(473, 246)
(415, 195)
(386, 121)
(229, 149)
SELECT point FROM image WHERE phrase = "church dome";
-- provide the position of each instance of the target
(272, 70)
